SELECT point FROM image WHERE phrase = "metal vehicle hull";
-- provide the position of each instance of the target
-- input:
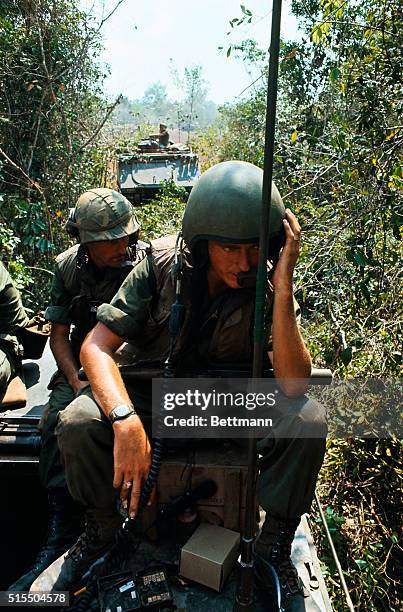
(141, 175)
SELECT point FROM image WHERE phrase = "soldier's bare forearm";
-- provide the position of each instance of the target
(102, 372)
(131, 449)
(63, 353)
(291, 358)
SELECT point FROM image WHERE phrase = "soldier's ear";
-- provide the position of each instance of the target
(71, 226)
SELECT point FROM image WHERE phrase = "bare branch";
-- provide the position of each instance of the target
(31, 182)
(315, 178)
(104, 19)
(38, 125)
(101, 125)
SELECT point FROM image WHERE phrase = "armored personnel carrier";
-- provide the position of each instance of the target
(142, 173)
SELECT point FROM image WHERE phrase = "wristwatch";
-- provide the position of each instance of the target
(121, 412)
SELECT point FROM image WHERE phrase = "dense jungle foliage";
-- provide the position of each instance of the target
(51, 112)
(338, 165)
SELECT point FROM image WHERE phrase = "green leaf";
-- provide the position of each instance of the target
(362, 564)
(335, 74)
(316, 35)
(346, 355)
(360, 258)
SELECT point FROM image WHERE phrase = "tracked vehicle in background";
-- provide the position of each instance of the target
(141, 174)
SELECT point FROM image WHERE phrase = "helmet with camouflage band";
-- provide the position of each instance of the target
(102, 214)
(225, 205)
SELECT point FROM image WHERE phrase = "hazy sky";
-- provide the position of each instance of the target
(143, 35)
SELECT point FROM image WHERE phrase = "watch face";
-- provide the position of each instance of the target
(121, 411)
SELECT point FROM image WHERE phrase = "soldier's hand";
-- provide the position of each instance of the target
(282, 277)
(77, 385)
(132, 460)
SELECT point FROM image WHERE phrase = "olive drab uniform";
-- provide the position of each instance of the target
(12, 317)
(163, 137)
(79, 286)
(78, 289)
(219, 331)
(224, 205)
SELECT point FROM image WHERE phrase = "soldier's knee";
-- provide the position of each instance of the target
(76, 422)
(5, 371)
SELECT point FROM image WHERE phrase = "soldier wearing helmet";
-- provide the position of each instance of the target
(86, 275)
(221, 227)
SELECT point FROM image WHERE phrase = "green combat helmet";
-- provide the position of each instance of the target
(225, 205)
(102, 214)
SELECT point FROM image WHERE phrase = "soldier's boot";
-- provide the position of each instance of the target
(66, 573)
(64, 526)
(273, 565)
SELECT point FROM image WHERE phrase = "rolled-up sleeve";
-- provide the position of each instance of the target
(129, 310)
(58, 310)
(12, 313)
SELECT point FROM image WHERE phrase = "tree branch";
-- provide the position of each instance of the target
(101, 125)
(104, 19)
(315, 178)
(31, 182)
